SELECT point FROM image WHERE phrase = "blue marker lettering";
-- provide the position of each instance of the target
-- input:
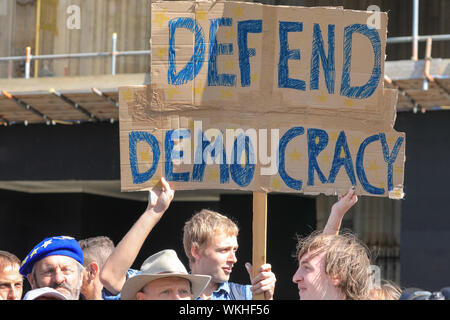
(313, 151)
(134, 137)
(200, 159)
(288, 136)
(285, 55)
(174, 155)
(338, 162)
(215, 49)
(390, 158)
(192, 68)
(245, 27)
(327, 62)
(366, 90)
(242, 175)
(360, 166)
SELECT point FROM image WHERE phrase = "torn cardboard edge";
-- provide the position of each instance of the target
(158, 126)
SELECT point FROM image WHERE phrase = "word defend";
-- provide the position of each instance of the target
(263, 98)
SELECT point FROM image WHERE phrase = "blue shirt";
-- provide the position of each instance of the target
(106, 295)
(232, 291)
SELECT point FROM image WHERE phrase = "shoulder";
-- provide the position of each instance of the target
(132, 272)
(240, 291)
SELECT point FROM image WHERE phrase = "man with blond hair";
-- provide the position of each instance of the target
(210, 243)
(11, 281)
(214, 255)
(332, 267)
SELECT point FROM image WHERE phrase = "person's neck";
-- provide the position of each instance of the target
(336, 295)
(210, 288)
(95, 293)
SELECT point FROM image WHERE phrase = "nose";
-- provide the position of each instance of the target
(59, 276)
(232, 257)
(297, 277)
(11, 293)
(14, 293)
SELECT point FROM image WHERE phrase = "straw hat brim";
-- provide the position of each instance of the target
(135, 284)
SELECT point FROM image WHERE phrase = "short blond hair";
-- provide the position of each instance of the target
(346, 259)
(8, 259)
(202, 227)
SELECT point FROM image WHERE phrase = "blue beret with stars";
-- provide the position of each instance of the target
(54, 246)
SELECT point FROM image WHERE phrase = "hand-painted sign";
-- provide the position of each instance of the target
(257, 97)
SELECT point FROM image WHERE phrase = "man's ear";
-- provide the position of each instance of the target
(140, 296)
(335, 281)
(195, 251)
(31, 281)
(93, 270)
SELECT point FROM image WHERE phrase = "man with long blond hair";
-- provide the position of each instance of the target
(332, 267)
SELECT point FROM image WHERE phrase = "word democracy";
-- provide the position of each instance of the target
(237, 156)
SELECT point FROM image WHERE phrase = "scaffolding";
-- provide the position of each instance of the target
(28, 57)
(422, 84)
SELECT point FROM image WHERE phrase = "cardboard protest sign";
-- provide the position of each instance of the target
(263, 98)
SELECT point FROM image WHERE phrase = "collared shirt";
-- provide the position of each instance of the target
(106, 295)
(231, 291)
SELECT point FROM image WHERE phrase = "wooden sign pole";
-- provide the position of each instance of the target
(259, 234)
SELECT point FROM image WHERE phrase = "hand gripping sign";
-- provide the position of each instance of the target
(263, 98)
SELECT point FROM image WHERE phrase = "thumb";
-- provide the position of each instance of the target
(249, 268)
(151, 199)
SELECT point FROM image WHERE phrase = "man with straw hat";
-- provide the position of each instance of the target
(164, 277)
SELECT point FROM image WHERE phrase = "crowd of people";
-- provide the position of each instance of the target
(332, 265)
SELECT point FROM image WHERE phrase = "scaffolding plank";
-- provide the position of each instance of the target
(75, 84)
(405, 75)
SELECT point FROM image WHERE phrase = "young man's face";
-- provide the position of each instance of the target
(218, 258)
(58, 272)
(11, 282)
(169, 288)
(312, 281)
